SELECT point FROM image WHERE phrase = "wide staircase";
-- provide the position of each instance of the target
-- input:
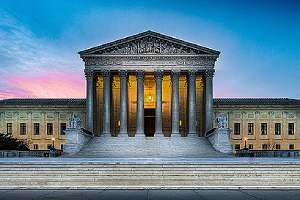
(149, 147)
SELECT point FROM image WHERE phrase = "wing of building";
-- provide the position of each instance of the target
(266, 122)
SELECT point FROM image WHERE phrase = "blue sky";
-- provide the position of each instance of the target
(259, 42)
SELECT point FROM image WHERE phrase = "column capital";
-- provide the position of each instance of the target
(192, 73)
(175, 72)
(140, 74)
(106, 73)
(209, 73)
(123, 73)
(89, 73)
(158, 74)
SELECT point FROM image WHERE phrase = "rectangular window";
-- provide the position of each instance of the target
(237, 147)
(277, 128)
(49, 146)
(61, 147)
(36, 128)
(22, 128)
(250, 146)
(35, 146)
(49, 129)
(250, 128)
(277, 146)
(63, 127)
(264, 147)
(237, 128)
(291, 130)
(264, 128)
(9, 128)
(291, 146)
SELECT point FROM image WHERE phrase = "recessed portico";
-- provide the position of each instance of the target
(149, 79)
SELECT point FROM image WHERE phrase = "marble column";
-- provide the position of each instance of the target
(106, 102)
(89, 99)
(175, 102)
(140, 103)
(123, 102)
(208, 99)
(192, 102)
(158, 108)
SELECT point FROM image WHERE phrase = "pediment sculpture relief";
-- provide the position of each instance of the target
(149, 45)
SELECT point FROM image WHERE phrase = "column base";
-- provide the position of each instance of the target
(123, 133)
(192, 133)
(105, 133)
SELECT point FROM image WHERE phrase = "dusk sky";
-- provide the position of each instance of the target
(259, 42)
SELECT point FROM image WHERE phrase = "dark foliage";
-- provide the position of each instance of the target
(7, 142)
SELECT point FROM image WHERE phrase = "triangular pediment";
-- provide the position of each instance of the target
(149, 42)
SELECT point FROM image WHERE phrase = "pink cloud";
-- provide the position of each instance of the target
(50, 85)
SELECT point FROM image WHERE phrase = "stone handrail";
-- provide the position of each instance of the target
(76, 139)
(209, 132)
(219, 139)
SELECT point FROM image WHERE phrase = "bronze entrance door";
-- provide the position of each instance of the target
(149, 122)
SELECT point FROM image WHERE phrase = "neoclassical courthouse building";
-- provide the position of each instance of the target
(152, 84)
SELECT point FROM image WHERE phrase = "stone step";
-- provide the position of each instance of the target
(142, 176)
(141, 146)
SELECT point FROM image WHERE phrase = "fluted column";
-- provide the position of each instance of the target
(192, 102)
(89, 99)
(140, 103)
(175, 102)
(123, 102)
(106, 102)
(158, 108)
(209, 99)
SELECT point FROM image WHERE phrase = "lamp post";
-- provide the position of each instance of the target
(245, 143)
(53, 140)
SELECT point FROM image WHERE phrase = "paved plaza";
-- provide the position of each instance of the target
(151, 194)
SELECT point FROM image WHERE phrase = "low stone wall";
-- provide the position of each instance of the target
(144, 176)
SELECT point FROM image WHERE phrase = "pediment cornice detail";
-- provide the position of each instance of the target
(149, 43)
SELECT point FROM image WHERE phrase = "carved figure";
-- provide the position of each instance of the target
(222, 121)
(75, 121)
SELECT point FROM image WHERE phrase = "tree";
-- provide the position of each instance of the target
(7, 142)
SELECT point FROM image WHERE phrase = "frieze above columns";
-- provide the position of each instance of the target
(150, 61)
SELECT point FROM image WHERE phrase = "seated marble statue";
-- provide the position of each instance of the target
(75, 122)
(222, 121)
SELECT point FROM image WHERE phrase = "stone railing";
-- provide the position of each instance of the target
(219, 138)
(31, 153)
(76, 138)
(267, 153)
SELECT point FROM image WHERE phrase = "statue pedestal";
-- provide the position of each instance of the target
(75, 140)
(220, 140)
